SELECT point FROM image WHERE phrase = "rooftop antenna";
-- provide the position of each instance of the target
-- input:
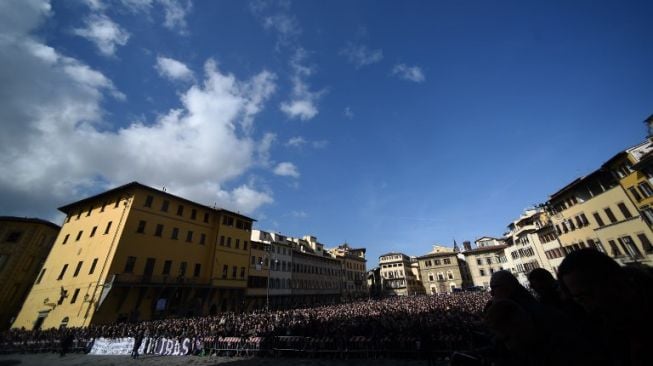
(164, 188)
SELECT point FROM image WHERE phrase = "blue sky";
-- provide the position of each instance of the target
(390, 125)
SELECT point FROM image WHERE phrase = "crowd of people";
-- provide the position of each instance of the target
(596, 313)
(444, 322)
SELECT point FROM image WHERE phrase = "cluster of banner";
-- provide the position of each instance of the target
(150, 346)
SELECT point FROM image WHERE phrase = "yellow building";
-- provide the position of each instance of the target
(602, 209)
(24, 245)
(440, 271)
(136, 253)
(487, 258)
(354, 272)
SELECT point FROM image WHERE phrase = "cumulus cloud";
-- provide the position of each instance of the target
(57, 146)
(410, 73)
(286, 169)
(361, 55)
(303, 102)
(173, 69)
(104, 33)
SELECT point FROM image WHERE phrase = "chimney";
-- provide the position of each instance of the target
(467, 245)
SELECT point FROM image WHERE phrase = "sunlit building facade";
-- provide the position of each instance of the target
(137, 253)
(24, 245)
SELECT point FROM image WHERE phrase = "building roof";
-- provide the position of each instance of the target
(31, 220)
(392, 253)
(490, 248)
(67, 208)
(438, 254)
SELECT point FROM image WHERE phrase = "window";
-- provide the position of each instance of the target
(148, 201)
(79, 214)
(189, 236)
(104, 204)
(237, 244)
(234, 270)
(166, 267)
(79, 235)
(646, 189)
(225, 269)
(175, 233)
(79, 266)
(253, 260)
(106, 231)
(624, 210)
(447, 261)
(437, 262)
(206, 217)
(159, 230)
(242, 272)
(228, 221)
(646, 244)
(63, 272)
(584, 219)
(93, 231)
(193, 214)
(182, 269)
(90, 271)
(628, 243)
(614, 250)
(611, 215)
(13, 237)
(88, 213)
(72, 301)
(65, 239)
(38, 280)
(129, 265)
(202, 238)
(479, 261)
(63, 294)
(117, 203)
(598, 219)
(164, 205)
(635, 194)
(198, 269)
(180, 210)
(222, 240)
(488, 260)
(141, 227)
(450, 274)
(229, 242)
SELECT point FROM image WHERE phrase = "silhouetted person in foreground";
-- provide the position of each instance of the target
(545, 286)
(618, 298)
(138, 340)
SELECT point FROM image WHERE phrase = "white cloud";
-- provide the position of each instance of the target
(274, 16)
(102, 31)
(297, 141)
(286, 169)
(360, 55)
(349, 113)
(299, 214)
(303, 102)
(57, 146)
(173, 69)
(175, 12)
(410, 73)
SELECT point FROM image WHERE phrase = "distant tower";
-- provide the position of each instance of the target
(649, 126)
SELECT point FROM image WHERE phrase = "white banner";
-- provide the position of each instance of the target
(112, 346)
(124, 346)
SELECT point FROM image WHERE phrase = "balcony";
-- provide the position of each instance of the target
(130, 279)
